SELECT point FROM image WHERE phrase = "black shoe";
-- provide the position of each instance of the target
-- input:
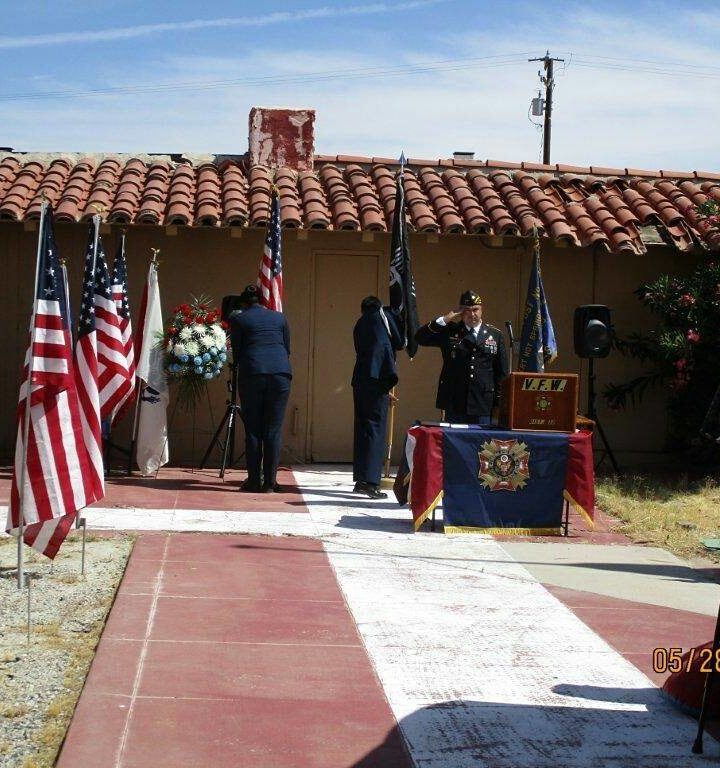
(373, 492)
(272, 488)
(250, 486)
(360, 487)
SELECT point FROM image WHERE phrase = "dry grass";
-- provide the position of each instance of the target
(671, 513)
(13, 710)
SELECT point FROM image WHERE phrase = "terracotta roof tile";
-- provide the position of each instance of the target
(151, 209)
(74, 204)
(600, 171)
(21, 191)
(368, 202)
(492, 204)
(422, 216)
(344, 211)
(315, 206)
(562, 168)
(589, 206)
(129, 192)
(234, 194)
(677, 174)
(476, 220)
(442, 202)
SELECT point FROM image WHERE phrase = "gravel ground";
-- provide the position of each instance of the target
(40, 681)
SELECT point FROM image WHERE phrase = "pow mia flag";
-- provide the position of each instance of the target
(403, 300)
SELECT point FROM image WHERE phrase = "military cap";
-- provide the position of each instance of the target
(470, 299)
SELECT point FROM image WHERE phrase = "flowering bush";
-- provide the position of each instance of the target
(195, 344)
(682, 353)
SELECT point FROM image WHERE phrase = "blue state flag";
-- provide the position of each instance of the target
(537, 340)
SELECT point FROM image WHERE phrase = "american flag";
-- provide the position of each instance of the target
(116, 376)
(51, 478)
(120, 295)
(86, 365)
(270, 279)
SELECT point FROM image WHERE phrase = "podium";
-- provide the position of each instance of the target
(539, 402)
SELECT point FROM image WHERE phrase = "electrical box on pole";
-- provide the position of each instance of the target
(546, 106)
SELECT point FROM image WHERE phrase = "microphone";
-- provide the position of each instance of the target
(511, 336)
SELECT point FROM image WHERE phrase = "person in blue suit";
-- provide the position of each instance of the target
(376, 336)
(260, 339)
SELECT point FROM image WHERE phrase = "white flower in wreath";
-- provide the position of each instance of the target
(192, 348)
(185, 333)
(205, 341)
(198, 330)
(179, 349)
(219, 336)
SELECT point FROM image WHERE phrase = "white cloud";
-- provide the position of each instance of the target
(606, 117)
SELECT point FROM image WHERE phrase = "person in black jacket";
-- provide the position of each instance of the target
(260, 339)
(474, 361)
(376, 338)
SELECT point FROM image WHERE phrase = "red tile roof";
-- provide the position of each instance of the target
(593, 206)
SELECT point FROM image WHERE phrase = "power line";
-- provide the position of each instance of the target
(445, 65)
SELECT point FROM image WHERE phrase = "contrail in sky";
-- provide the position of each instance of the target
(268, 19)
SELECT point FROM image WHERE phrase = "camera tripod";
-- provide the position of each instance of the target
(227, 423)
(592, 414)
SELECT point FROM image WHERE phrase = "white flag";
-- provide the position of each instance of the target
(152, 438)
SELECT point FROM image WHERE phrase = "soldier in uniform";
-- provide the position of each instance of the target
(260, 340)
(474, 361)
(376, 337)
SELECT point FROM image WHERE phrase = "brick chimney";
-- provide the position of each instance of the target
(282, 137)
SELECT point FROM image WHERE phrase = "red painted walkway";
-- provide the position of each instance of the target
(227, 651)
(183, 488)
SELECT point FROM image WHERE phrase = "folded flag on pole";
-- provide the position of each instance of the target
(538, 347)
(86, 363)
(52, 478)
(122, 306)
(152, 438)
(270, 279)
(403, 300)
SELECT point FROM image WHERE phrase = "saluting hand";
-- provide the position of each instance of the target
(451, 316)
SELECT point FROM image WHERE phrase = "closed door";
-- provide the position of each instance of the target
(341, 282)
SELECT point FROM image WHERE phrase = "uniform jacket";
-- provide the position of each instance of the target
(375, 350)
(260, 339)
(471, 372)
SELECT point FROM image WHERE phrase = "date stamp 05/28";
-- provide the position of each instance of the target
(671, 660)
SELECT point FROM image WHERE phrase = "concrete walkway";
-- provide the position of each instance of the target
(488, 653)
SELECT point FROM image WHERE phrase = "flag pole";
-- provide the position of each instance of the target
(26, 420)
(139, 383)
(393, 396)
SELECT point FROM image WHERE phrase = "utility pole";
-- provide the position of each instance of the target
(548, 82)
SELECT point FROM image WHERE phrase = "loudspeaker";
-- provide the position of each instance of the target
(592, 331)
(229, 305)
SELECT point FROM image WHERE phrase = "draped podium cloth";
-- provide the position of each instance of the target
(496, 481)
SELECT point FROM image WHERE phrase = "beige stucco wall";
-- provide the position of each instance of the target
(326, 276)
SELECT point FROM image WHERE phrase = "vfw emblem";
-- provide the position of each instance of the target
(504, 465)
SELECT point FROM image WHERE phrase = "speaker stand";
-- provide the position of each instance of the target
(592, 414)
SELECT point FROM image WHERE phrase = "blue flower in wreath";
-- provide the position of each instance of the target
(198, 369)
(184, 358)
(206, 358)
(208, 375)
(213, 351)
(223, 356)
(197, 361)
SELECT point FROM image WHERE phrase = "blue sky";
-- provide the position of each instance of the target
(639, 87)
